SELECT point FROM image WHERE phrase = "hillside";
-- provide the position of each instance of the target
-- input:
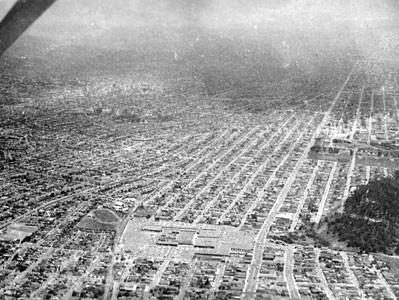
(370, 220)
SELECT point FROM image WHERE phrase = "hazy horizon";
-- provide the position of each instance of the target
(216, 41)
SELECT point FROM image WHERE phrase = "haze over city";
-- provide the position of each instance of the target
(210, 149)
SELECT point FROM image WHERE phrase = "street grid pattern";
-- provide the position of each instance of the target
(246, 178)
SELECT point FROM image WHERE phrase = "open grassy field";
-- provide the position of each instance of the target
(100, 219)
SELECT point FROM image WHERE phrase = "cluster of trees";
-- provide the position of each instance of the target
(377, 200)
(370, 220)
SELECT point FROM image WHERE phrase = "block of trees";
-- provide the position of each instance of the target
(370, 220)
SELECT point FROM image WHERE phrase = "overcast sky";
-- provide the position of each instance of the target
(105, 14)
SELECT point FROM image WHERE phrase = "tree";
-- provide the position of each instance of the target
(370, 217)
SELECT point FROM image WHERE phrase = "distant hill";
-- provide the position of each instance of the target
(370, 220)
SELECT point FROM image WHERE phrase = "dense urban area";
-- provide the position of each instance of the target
(193, 187)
